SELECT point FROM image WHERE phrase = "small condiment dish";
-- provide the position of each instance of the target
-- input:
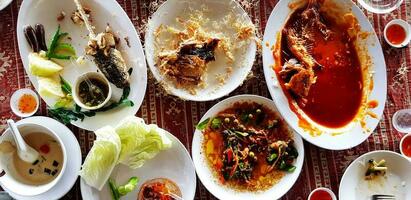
(88, 76)
(402, 150)
(15, 98)
(330, 192)
(12, 181)
(407, 29)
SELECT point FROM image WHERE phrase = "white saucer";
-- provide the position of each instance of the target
(73, 160)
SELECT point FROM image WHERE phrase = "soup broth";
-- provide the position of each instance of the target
(47, 167)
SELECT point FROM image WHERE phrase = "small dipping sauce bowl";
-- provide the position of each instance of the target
(12, 180)
(405, 146)
(91, 80)
(322, 193)
(397, 33)
(24, 102)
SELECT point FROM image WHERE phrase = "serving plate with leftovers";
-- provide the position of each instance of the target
(243, 149)
(84, 58)
(376, 172)
(134, 160)
(200, 50)
(325, 71)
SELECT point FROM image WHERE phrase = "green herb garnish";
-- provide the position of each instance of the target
(215, 123)
(65, 86)
(118, 191)
(59, 50)
(66, 115)
(202, 125)
(124, 101)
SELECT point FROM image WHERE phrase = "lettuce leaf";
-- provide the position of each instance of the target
(140, 142)
(102, 158)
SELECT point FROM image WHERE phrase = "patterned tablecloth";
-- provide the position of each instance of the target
(321, 167)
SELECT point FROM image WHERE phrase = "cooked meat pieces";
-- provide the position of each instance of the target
(297, 79)
(300, 34)
(188, 63)
(311, 16)
(299, 47)
(300, 83)
(187, 69)
(204, 51)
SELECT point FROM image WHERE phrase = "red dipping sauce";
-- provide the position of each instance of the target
(396, 34)
(320, 195)
(406, 146)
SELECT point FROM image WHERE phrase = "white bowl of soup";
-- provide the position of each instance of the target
(30, 179)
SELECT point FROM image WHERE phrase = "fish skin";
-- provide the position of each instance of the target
(113, 67)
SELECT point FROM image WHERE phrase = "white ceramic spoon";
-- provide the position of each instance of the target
(25, 152)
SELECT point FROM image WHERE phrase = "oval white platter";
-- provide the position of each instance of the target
(174, 163)
(167, 14)
(102, 12)
(209, 180)
(397, 181)
(354, 135)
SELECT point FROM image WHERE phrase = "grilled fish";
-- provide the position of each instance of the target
(103, 48)
(113, 67)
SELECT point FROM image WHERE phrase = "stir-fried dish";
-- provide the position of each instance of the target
(320, 66)
(248, 146)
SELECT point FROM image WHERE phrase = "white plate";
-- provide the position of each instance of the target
(174, 163)
(73, 160)
(210, 181)
(167, 14)
(353, 185)
(355, 134)
(103, 12)
(4, 3)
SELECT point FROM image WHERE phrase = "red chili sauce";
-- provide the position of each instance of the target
(406, 146)
(396, 34)
(320, 195)
(335, 98)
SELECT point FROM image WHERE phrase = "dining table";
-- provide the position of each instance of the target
(321, 168)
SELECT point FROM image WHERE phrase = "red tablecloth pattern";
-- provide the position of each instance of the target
(321, 167)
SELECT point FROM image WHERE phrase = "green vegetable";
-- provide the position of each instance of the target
(140, 142)
(55, 47)
(122, 190)
(102, 158)
(272, 157)
(202, 125)
(244, 134)
(62, 112)
(124, 101)
(65, 86)
(291, 168)
(215, 123)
